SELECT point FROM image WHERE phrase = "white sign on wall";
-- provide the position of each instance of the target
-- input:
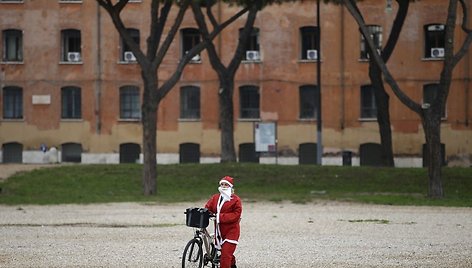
(41, 99)
(265, 137)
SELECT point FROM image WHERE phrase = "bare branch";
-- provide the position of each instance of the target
(403, 6)
(210, 15)
(200, 19)
(468, 41)
(157, 27)
(465, 17)
(228, 22)
(355, 12)
(247, 30)
(172, 32)
(114, 12)
(167, 86)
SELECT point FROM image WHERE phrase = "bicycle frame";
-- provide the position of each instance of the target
(209, 243)
(206, 247)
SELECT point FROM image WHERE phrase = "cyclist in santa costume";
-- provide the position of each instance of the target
(227, 207)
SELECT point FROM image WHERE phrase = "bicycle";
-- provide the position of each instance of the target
(200, 250)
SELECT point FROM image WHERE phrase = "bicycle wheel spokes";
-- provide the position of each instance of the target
(193, 254)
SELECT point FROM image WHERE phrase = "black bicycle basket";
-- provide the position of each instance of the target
(197, 217)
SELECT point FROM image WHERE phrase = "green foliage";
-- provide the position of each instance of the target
(253, 182)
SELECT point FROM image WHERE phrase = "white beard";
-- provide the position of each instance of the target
(225, 192)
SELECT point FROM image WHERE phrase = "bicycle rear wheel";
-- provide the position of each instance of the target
(193, 254)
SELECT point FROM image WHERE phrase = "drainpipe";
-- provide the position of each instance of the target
(220, 10)
(466, 89)
(98, 82)
(342, 67)
(319, 124)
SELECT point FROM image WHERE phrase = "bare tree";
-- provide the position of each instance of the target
(227, 73)
(430, 114)
(149, 61)
(382, 99)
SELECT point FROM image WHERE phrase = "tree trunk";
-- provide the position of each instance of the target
(149, 121)
(226, 74)
(383, 115)
(225, 96)
(432, 130)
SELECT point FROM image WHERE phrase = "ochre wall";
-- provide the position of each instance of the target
(278, 76)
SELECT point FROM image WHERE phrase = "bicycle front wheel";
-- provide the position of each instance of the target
(193, 254)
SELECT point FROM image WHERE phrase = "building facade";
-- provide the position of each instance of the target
(68, 81)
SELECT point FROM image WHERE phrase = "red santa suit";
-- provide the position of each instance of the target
(228, 214)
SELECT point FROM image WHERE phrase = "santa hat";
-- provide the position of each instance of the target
(228, 180)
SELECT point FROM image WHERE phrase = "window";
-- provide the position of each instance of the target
(13, 45)
(190, 102)
(12, 103)
(308, 101)
(368, 105)
(249, 102)
(376, 35)
(309, 43)
(126, 54)
(71, 45)
(430, 91)
(71, 103)
(129, 152)
(252, 48)
(434, 41)
(71, 152)
(129, 103)
(190, 38)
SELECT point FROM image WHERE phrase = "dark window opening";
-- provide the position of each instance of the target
(434, 40)
(190, 38)
(12, 103)
(368, 104)
(252, 48)
(249, 102)
(129, 152)
(72, 152)
(126, 54)
(13, 45)
(309, 43)
(129, 103)
(190, 102)
(430, 92)
(376, 35)
(308, 101)
(71, 45)
(71, 103)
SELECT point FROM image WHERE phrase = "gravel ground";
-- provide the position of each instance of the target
(273, 235)
(320, 234)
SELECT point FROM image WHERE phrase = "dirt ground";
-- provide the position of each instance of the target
(7, 170)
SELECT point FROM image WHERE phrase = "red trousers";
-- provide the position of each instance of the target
(227, 258)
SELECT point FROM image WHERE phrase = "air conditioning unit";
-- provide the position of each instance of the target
(129, 56)
(196, 58)
(437, 52)
(73, 56)
(252, 55)
(312, 54)
(437, 27)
